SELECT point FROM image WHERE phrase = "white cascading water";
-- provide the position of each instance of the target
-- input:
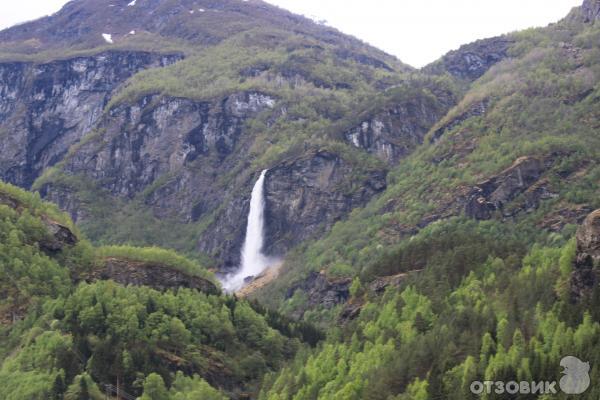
(253, 260)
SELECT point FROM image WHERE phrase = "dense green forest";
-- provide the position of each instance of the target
(485, 309)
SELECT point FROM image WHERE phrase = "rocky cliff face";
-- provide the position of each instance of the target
(306, 196)
(395, 131)
(325, 292)
(471, 61)
(591, 10)
(157, 276)
(157, 136)
(588, 242)
(46, 108)
(521, 188)
(176, 152)
(585, 276)
(494, 193)
(321, 291)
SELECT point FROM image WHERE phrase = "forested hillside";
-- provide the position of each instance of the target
(483, 308)
(63, 336)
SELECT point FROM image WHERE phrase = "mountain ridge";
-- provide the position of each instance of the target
(80, 24)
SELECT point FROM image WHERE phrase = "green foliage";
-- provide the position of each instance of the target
(213, 72)
(27, 274)
(501, 322)
(478, 300)
(83, 388)
(154, 388)
(34, 204)
(32, 373)
(184, 388)
(127, 333)
(340, 270)
(59, 340)
(124, 329)
(113, 221)
(356, 287)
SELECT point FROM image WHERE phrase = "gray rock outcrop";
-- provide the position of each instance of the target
(586, 272)
(472, 60)
(492, 194)
(307, 195)
(588, 242)
(393, 130)
(591, 10)
(321, 291)
(46, 108)
(163, 135)
(154, 275)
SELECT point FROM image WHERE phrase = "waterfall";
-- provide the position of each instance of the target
(253, 260)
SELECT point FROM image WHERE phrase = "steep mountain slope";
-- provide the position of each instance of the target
(468, 268)
(46, 108)
(130, 140)
(521, 147)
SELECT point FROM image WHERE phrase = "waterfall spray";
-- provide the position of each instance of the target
(253, 260)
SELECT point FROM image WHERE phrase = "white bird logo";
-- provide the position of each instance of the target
(576, 379)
